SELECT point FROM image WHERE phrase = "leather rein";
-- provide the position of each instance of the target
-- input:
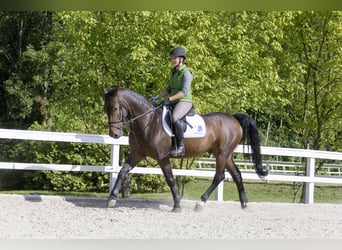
(124, 122)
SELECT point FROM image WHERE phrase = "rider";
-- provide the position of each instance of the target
(179, 95)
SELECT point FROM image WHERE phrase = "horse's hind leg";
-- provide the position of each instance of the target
(219, 176)
(236, 175)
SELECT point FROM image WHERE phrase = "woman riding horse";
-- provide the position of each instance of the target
(180, 96)
(148, 138)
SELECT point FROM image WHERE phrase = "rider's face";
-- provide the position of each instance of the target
(175, 60)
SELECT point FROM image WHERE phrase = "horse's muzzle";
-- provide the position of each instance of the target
(115, 134)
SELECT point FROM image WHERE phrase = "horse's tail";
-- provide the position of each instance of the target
(250, 132)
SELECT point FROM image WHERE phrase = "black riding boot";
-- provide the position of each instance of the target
(179, 149)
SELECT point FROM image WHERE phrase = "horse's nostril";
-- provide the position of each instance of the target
(112, 135)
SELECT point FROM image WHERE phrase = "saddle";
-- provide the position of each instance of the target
(193, 124)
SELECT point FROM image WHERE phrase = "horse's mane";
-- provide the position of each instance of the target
(136, 95)
(143, 100)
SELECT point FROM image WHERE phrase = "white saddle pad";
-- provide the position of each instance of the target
(197, 129)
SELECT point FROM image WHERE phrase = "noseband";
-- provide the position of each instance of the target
(112, 124)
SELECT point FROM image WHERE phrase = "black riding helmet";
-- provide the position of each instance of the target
(178, 52)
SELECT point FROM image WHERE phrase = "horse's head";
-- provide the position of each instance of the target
(115, 111)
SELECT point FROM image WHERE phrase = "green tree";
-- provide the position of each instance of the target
(23, 91)
(282, 68)
(312, 62)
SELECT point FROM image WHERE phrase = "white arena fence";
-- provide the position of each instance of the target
(311, 155)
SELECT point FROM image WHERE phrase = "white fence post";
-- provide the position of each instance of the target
(114, 162)
(309, 186)
(219, 192)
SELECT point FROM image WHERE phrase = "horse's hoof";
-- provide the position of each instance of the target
(111, 203)
(243, 205)
(176, 210)
(199, 206)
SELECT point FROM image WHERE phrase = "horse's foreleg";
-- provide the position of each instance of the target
(116, 189)
(129, 165)
(167, 171)
(236, 175)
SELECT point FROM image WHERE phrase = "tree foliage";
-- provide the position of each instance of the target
(282, 68)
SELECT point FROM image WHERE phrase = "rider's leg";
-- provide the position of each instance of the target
(179, 149)
(180, 110)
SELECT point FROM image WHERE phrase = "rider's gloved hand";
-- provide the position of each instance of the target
(165, 102)
(155, 98)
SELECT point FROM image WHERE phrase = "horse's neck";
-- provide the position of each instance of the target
(137, 109)
(147, 123)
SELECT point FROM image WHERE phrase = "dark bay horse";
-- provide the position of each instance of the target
(147, 138)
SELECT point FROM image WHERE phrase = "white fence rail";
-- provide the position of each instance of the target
(276, 166)
(114, 168)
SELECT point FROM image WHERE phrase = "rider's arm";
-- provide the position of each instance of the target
(164, 93)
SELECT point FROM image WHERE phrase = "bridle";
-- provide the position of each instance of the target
(112, 124)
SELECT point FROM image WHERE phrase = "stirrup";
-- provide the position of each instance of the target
(178, 151)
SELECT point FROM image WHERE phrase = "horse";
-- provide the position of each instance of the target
(147, 138)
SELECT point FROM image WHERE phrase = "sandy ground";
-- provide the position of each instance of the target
(65, 217)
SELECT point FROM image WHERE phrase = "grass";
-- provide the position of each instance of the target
(255, 191)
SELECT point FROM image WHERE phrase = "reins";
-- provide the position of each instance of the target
(139, 116)
(130, 121)
(143, 114)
